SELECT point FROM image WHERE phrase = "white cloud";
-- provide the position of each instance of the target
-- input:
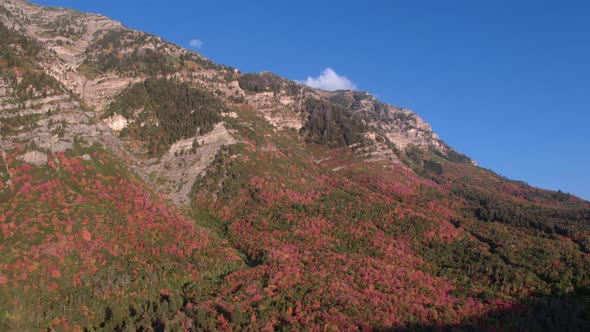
(330, 80)
(196, 43)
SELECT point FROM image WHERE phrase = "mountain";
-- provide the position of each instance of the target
(145, 187)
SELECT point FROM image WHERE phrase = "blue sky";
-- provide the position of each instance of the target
(505, 82)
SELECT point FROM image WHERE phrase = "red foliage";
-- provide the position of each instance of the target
(25, 168)
(86, 236)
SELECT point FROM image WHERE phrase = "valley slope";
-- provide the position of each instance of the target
(145, 187)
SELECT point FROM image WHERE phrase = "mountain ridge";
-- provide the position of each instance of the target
(427, 137)
(144, 187)
(398, 126)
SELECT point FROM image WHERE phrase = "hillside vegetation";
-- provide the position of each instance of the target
(165, 111)
(296, 209)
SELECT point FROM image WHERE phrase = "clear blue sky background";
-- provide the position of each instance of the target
(505, 82)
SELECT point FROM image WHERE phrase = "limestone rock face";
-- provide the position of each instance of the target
(116, 122)
(36, 158)
(72, 109)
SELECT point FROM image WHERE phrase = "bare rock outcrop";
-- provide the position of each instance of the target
(36, 158)
(177, 171)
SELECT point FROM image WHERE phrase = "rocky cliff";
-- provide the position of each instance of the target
(144, 187)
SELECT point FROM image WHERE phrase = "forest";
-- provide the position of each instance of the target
(301, 228)
(169, 111)
(123, 51)
(15, 48)
(332, 125)
(267, 82)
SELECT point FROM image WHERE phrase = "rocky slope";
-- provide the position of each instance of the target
(73, 43)
(145, 187)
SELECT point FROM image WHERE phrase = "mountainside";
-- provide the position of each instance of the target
(145, 187)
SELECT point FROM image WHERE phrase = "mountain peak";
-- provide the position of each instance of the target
(145, 187)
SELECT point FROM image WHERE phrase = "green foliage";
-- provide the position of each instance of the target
(454, 156)
(331, 125)
(13, 125)
(421, 161)
(33, 84)
(354, 100)
(123, 51)
(560, 220)
(416, 157)
(169, 110)
(225, 173)
(5, 11)
(90, 247)
(67, 25)
(16, 49)
(201, 61)
(283, 235)
(267, 82)
(431, 166)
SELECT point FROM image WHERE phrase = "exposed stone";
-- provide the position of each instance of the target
(281, 111)
(184, 162)
(116, 122)
(61, 146)
(232, 115)
(36, 158)
(60, 120)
